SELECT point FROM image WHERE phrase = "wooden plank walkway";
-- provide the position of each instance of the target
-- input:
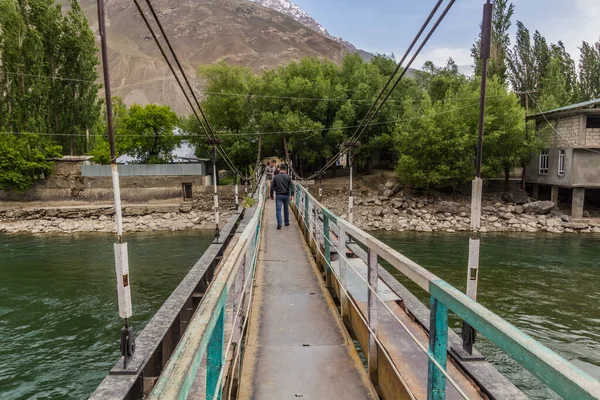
(297, 345)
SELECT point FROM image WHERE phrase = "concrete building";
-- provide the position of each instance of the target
(572, 161)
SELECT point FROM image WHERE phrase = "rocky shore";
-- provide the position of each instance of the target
(139, 218)
(392, 210)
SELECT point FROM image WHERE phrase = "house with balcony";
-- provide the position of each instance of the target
(571, 162)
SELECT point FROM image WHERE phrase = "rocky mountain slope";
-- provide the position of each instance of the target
(202, 32)
(288, 8)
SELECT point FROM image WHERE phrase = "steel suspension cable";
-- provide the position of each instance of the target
(212, 135)
(358, 131)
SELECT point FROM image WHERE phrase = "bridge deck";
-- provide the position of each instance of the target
(297, 346)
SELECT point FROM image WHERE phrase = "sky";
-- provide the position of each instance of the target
(388, 26)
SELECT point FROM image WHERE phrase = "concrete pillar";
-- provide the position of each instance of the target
(577, 202)
(554, 196)
(535, 190)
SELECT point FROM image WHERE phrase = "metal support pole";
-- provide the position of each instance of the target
(121, 255)
(214, 143)
(343, 270)
(327, 248)
(351, 146)
(237, 200)
(373, 279)
(468, 333)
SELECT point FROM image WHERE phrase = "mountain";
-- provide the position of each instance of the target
(288, 8)
(202, 32)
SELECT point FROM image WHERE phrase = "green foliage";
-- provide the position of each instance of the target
(437, 139)
(589, 71)
(147, 133)
(22, 157)
(501, 23)
(248, 202)
(48, 72)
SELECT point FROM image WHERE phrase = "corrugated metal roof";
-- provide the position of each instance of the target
(570, 107)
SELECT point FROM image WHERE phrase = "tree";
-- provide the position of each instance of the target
(555, 92)
(589, 71)
(436, 144)
(148, 133)
(567, 69)
(501, 23)
(47, 71)
(22, 157)
(506, 145)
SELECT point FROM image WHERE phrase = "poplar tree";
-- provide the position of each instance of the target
(589, 71)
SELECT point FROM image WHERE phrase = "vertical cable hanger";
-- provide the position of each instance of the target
(468, 333)
(214, 143)
(120, 248)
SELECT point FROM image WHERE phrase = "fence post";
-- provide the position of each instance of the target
(306, 205)
(238, 300)
(373, 279)
(438, 342)
(327, 248)
(342, 264)
(214, 357)
(311, 224)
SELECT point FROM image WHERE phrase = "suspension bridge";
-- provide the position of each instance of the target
(309, 312)
(316, 310)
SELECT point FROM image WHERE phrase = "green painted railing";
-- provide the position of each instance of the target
(205, 335)
(557, 373)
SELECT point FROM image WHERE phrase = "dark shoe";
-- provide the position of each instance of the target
(287, 224)
(278, 226)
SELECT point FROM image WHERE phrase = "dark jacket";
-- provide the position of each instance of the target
(282, 185)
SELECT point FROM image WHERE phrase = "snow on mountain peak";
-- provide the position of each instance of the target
(288, 8)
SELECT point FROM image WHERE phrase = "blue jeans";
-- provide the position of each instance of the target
(282, 200)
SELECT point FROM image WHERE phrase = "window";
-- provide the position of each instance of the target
(544, 162)
(561, 162)
(593, 121)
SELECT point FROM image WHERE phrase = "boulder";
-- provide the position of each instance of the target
(508, 216)
(586, 214)
(519, 210)
(513, 221)
(448, 207)
(390, 185)
(515, 195)
(539, 207)
(493, 219)
(387, 193)
(574, 225)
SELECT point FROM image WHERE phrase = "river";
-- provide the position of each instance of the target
(59, 322)
(59, 325)
(547, 285)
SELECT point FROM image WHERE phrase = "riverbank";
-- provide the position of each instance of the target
(136, 218)
(392, 210)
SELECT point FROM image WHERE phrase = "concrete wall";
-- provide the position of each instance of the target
(586, 168)
(532, 174)
(592, 137)
(198, 169)
(569, 131)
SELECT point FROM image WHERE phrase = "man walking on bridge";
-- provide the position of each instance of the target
(282, 186)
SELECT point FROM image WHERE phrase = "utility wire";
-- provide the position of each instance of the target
(226, 133)
(207, 131)
(166, 38)
(575, 145)
(370, 117)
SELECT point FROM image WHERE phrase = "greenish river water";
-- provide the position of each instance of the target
(546, 285)
(59, 322)
(59, 325)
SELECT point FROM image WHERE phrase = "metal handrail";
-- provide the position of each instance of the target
(557, 373)
(205, 333)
